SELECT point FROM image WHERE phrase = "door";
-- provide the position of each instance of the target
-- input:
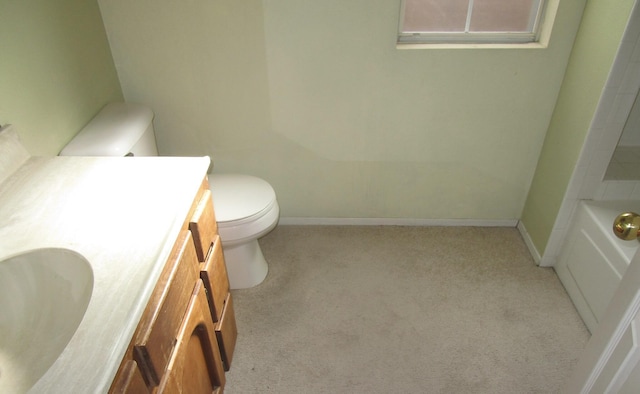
(610, 362)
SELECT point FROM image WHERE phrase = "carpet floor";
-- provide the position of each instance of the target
(385, 309)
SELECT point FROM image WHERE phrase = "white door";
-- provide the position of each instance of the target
(610, 362)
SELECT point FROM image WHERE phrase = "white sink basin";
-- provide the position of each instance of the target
(44, 294)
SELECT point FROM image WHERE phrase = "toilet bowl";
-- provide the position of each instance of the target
(245, 206)
(246, 209)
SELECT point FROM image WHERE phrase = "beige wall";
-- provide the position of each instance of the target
(591, 60)
(56, 70)
(315, 97)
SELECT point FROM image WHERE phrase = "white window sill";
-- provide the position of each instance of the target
(528, 45)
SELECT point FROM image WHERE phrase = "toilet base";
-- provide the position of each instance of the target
(246, 265)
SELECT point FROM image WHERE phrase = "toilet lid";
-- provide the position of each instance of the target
(237, 197)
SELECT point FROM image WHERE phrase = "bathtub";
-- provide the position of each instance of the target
(593, 260)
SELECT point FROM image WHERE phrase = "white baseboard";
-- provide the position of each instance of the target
(396, 222)
(527, 240)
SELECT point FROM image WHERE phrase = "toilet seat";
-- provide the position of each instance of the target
(245, 207)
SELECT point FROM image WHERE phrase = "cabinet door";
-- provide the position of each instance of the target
(227, 333)
(155, 339)
(130, 381)
(214, 275)
(195, 366)
(203, 225)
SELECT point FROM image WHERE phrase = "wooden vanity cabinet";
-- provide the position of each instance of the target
(186, 336)
(213, 271)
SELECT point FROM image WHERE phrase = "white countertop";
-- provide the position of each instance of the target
(123, 215)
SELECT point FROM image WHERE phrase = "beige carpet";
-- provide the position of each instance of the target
(403, 310)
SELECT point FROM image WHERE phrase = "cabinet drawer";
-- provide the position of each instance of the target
(195, 366)
(203, 225)
(157, 331)
(227, 333)
(214, 275)
(130, 381)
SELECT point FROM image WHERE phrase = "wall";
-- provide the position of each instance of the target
(315, 97)
(592, 57)
(56, 70)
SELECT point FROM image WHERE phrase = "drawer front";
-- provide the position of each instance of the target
(155, 340)
(227, 333)
(203, 225)
(130, 381)
(214, 275)
(195, 366)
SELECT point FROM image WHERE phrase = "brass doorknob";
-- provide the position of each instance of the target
(627, 226)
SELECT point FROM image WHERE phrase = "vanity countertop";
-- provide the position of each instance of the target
(123, 215)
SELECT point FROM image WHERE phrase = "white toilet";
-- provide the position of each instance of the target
(245, 206)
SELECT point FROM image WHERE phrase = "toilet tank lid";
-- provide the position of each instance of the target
(112, 132)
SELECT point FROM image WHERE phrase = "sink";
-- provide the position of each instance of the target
(44, 294)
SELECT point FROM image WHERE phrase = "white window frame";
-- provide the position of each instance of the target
(538, 37)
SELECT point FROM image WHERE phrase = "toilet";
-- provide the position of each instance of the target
(245, 206)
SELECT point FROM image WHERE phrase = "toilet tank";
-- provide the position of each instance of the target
(119, 129)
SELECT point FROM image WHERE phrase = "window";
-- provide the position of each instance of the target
(470, 21)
